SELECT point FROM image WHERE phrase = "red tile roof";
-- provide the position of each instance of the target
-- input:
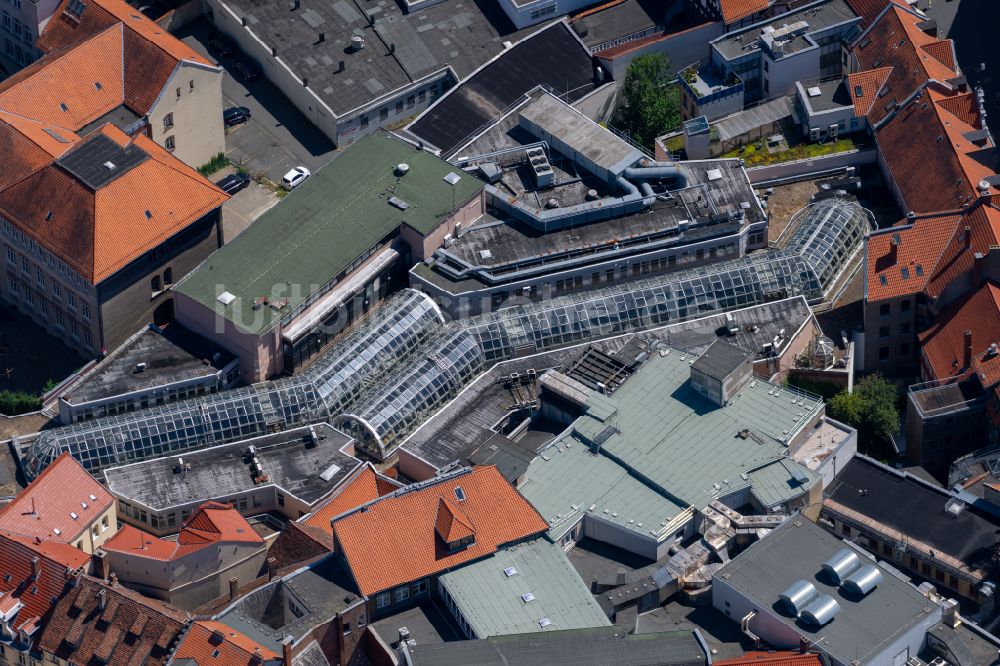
(366, 486)
(211, 643)
(211, 524)
(130, 630)
(98, 232)
(933, 164)
(934, 249)
(57, 566)
(943, 344)
(772, 659)
(299, 543)
(871, 83)
(392, 540)
(734, 10)
(894, 40)
(46, 507)
(868, 10)
(452, 524)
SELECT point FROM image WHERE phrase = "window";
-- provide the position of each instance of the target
(904, 349)
(168, 121)
(402, 594)
(25, 266)
(85, 310)
(904, 327)
(60, 319)
(281, 500)
(11, 255)
(39, 276)
(178, 93)
(74, 328)
(883, 332)
(383, 113)
(104, 523)
(420, 587)
(168, 275)
(364, 122)
(71, 300)
(382, 600)
(57, 290)
(347, 628)
(399, 106)
(883, 354)
(904, 306)
(155, 286)
(765, 65)
(410, 101)
(883, 310)
(169, 143)
(191, 84)
(422, 96)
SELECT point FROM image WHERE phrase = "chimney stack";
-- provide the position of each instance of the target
(102, 598)
(36, 568)
(286, 650)
(341, 67)
(113, 578)
(322, 37)
(234, 584)
(984, 189)
(100, 559)
(272, 567)
(978, 260)
(967, 358)
(968, 235)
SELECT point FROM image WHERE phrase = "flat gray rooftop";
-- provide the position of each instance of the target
(827, 95)
(458, 33)
(602, 646)
(819, 15)
(171, 356)
(863, 628)
(591, 140)
(467, 421)
(720, 359)
(619, 20)
(290, 462)
(320, 591)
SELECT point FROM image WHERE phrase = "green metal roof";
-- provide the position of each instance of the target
(566, 480)
(682, 442)
(490, 600)
(324, 226)
(664, 447)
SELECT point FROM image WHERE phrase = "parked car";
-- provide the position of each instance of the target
(234, 182)
(235, 115)
(223, 46)
(295, 177)
(247, 70)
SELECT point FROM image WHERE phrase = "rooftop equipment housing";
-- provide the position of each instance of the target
(820, 611)
(863, 580)
(799, 596)
(841, 565)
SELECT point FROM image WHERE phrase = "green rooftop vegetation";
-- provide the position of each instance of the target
(757, 154)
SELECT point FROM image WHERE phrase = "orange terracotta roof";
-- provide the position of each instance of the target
(73, 89)
(211, 643)
(22, 156)
(901, 260)
(983, 222)
(868, 10)
(45, 509)
(451, 524)
(99, 232)
(57, 563)
(366, 486)
(594, 10)
(943, 51)
(734, 10)
(933, 164)
(894, 40)
(943, 344)
(870, 82)
(212, 523)
(403, 527)
(760, 658)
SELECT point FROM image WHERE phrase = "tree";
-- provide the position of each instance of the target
(871, 408)
(650, 105)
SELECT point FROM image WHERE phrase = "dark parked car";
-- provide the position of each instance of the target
(235, 115)
(234, 182)
(247, 70)
(222, 45)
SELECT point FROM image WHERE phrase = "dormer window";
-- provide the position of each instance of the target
(453, 527)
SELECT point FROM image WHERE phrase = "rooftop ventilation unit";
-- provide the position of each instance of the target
(799, 596)
(357, 42)
(402, 169)
(841, 565)
(863, 580)
(820, 611)
(540, 169)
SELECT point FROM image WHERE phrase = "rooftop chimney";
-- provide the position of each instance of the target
(102, 598)
(234, 584)
(977, 269)
(984, 188)
(968, 235)
(286, 650)
(272, 567)
(36, 568)
(113, 579)
(967, 359)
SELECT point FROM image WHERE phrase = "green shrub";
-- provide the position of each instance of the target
(13, 403)
(213, 165)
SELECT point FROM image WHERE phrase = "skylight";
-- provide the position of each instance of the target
(459, 493)
(452, 178)
(528, 596)
(814, 91)
(544, 622)
(858, 91)
(919, 270)
(905, 272)
(510, 571)
(225, 298)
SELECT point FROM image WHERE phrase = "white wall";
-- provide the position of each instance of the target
(196, 114)
(530, 13)
(683, 49)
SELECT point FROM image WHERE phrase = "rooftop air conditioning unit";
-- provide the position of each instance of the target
(833, 131)
(815, 133)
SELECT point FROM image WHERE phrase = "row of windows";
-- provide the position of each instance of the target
(411, 101)
(27, 243)
(14, 27)
(401, 594)
(38, 306)
(28, 269)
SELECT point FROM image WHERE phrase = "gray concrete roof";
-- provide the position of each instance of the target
(863, 628)
(462, 35)
(819, 15)
(172, 356)
(219, 472)
(721, 359)
(491, 601)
